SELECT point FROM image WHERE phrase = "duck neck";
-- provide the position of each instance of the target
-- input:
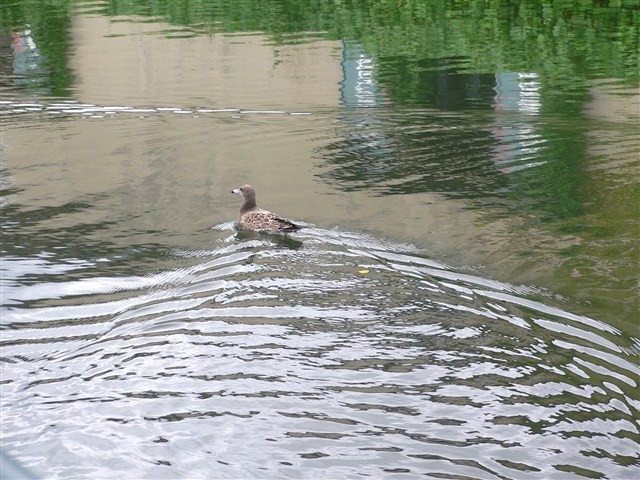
(249, 204)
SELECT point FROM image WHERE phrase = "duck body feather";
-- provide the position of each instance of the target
(259, 220)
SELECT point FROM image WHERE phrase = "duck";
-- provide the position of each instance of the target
(253, 218)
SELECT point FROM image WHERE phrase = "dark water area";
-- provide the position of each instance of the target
(462, 301)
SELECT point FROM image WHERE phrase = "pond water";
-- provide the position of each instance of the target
(463, 299)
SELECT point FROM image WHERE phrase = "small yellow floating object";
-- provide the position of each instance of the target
(363, 271)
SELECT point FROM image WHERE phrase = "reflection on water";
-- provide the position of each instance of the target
(94, 111)
(29, 65)
(251, 358)
(461, 304)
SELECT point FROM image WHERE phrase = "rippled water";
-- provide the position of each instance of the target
(327, 354)
(462, 302)
(139, 342)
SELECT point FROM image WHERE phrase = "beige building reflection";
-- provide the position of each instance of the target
(172, 172)
(126, 61)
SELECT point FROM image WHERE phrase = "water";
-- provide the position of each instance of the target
(328, 354)
(461, 304)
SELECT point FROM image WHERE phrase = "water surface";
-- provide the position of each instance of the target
(463, 302)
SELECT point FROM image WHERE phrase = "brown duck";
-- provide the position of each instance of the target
(256, 219)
